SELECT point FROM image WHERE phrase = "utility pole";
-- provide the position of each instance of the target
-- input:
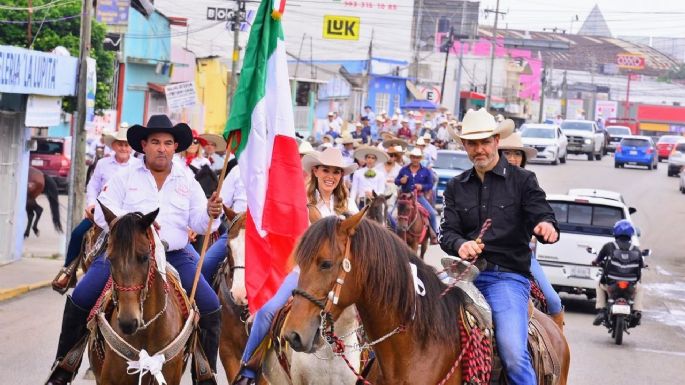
(417, 39)
(564, 97)
(626, 106)
(29, 38)
(593, 108)
(457, 99)
(447, 46)
(237, 18)
(77, 172)
(492, 54)
(543, 83)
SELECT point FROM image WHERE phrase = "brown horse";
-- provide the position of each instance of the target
(412, 226)
(355, 261)
(378, 208)
(40, 183)
(147, 315)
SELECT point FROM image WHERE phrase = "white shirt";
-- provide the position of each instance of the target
(431, 153)
(105, 169)
(442, 134)
(182, 203)
(216, 161)
(334, 125)
(326, 210)
(233, 191)
(392, 174)
(361, 184)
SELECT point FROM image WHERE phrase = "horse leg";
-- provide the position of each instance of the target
(39, 212)
(29, 213)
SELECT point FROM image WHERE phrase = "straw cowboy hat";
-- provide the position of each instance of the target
(416, 152)
(395, 149)
(329, 137)
(117, 136)
(386, 135)
(347, 139)
(514, 142)
(395, 142)
(305, 148)
(480, 125)
(428, 125)
(160, 123)
(361, 153)
(218, 141)
(421, 141)
(331, 157)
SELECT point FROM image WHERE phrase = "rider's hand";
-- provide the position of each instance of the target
(192, 236)
(214, 205)
(90, 210)
(546, 231)
(470, 250)
(419, 187)
(404, 179)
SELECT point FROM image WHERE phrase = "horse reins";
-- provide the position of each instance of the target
(410, 224)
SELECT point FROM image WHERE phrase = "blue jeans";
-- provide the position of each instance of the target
(551, 295)
(214, 256)
(507, 294)
(264, 316)
(184, 261)
(76, 240)
(432, 214)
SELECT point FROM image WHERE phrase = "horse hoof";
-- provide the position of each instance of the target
(36, 232)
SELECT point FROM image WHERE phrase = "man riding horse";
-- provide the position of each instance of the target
(418, 179)
(154, 184)
(511, 197)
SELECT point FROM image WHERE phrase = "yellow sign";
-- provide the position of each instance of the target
(341, 27)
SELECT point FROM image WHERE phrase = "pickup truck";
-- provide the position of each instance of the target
(584, 137)
(584, 222)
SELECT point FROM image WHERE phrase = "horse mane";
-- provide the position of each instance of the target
(381, 261)
(123, 235)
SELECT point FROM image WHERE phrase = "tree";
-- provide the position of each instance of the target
(58, 24)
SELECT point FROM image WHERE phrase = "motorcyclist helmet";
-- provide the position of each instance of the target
(624, 228)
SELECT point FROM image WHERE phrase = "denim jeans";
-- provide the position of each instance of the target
(264, 316)
(214, 256)
(183, 260)
(76, 240)
(551, 295)
(507, 294)
(433, 215)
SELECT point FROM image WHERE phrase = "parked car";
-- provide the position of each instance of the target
(616, 133)
(665, 145)
(584, 222)
(636, 150)
(548, 139)
(676, 161)
(449, 164)
(584, 137)
(52, 156)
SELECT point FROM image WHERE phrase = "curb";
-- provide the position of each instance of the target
(7, 294)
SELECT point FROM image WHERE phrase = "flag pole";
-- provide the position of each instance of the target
(205, 240)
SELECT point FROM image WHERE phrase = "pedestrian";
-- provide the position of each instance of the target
(370, 115)
(517, 207)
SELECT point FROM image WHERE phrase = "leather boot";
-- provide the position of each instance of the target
(74, 329)
(559, 319)
(210, 337)
(600, 317)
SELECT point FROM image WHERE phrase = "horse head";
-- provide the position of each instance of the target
(378, 208)
(129, 251)
(235, 246)
(406, 205)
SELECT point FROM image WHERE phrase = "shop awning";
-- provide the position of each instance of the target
(478, 96)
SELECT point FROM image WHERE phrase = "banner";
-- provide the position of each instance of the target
(24, 71)
(43, 111)
(180, 95)
(113, 12)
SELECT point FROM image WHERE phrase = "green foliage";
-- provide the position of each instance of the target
(61, 33)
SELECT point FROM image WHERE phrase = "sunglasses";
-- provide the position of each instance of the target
(195, 141)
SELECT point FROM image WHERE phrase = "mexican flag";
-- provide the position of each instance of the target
(262, 125)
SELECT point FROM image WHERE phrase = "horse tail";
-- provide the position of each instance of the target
(52, 194)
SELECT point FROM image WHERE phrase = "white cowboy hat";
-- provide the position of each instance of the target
(404, 120)
(427, 138)
(330, 113)
(218, 141)
(117, 136)
(514, 142)
(381, 119)
(395, 142)
(331, 157)
(395, 117)
(397, 149)
(361, 153)
(358, 124)
(480, 125)
(420, 141)
(347, 139)
(416, 152)
(305, 148)
(428, 125)
(329, 137)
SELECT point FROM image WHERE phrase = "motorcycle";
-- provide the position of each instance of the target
(619, 313)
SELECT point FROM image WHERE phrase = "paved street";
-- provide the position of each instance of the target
(653, 353)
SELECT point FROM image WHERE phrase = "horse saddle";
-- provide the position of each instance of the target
(273, 340)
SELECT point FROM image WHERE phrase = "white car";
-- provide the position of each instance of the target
(596, 193)
(548, 139)
(584, 137)
(676, 162)
(584, 222)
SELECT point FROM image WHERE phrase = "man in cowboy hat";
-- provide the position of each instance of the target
(414, 177)
(156, 183)
(368, 179)
(511, 198)
(347, 144)
(214, 143)
(404, 131)
(359, 133)
(333, 124)
(105, 168)
(430, 152)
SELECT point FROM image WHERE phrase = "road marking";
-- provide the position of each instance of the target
(681, 354)
(660, 270)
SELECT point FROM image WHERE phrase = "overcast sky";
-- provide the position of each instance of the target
(624, 17)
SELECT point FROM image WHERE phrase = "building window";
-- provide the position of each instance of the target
(302, 94)
(382, 102)
(395, 103)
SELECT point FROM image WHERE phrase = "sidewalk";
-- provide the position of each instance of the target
(27, 274)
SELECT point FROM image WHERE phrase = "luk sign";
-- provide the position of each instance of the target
(630, 61)
(340, 27)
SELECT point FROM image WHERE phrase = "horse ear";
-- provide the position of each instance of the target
(109, 215)
(348, 226)
(148, 219)
(230, 214)
(388, 196)
(374, 194)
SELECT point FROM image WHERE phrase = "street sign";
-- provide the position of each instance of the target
(630, 61)
(432, 94)
(341, 27)
(220, 14)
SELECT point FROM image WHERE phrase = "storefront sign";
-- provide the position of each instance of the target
(630, 61)
(43, 111)
(180, 95)
(24, 71)
(113, 12)
(341, 27)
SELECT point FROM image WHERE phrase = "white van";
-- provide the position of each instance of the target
(584, 222)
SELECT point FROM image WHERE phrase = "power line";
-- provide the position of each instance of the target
(52, 4)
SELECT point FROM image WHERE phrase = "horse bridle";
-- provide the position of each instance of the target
(409, 218)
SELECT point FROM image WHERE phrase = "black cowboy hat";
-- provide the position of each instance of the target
(160, 123)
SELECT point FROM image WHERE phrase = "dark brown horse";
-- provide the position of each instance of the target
(40, 183)
(358, 262)
(147, 314)
(412, 226)
(378, 209)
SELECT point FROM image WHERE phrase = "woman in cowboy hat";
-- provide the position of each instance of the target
(368, 179)
(214, 143)
(517, 154)
(104, 169)
(326, 196)
(404, 131)
(193, 157)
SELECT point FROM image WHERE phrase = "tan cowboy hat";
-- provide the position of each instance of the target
(480, 125)
(218, 141)
(347, 139)
(421, 141)
(305, 148)
(117, 136)
(329, 137)
(380, 119)
(361, 153)
(514, 142)
(331, 157)
(386, 135)
(395, 149)
(416, 152)
(395, 142)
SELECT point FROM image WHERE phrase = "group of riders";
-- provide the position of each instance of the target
(347, 172)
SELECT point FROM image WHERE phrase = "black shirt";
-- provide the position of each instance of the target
(511, 197)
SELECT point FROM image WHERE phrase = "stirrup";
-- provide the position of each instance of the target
(55, 367)
(64, 280)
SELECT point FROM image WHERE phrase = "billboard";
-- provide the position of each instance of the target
(340, 27)
(112, 12)
(630, 61)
